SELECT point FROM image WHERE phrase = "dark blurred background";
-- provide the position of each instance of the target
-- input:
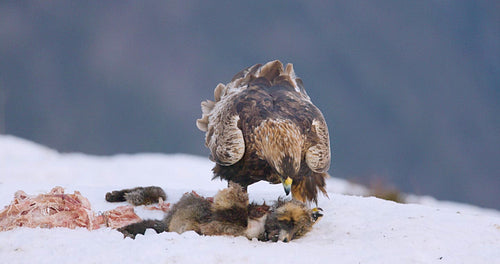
(410, 89)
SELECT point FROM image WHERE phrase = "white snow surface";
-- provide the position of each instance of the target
(355, 229)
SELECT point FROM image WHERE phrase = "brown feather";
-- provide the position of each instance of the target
(263, 126)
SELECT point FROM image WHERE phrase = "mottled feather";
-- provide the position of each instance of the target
(263, 126)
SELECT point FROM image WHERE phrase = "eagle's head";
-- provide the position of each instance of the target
(280, 143)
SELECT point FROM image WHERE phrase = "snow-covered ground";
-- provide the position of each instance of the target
(354, 229)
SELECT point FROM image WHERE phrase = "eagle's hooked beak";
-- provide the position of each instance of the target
(287, 185)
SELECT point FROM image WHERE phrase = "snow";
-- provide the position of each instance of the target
(355, 229)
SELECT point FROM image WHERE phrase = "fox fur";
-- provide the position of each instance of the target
(228, 213)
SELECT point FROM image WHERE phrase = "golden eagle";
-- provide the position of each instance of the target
(263, 126)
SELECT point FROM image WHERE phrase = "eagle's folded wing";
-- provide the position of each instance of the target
(318, 156)
(220, 122)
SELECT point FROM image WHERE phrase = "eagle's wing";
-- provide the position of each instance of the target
(318, 155)
(220, 122)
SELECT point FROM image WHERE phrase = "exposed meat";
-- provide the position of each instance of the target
(120, 216)
(160, 206)
(57, 209)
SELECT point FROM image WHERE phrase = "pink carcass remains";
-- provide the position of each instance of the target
(57, 209)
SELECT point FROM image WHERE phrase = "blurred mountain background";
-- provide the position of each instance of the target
(410, 89)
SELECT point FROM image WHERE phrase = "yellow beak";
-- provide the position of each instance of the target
(287, 185)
